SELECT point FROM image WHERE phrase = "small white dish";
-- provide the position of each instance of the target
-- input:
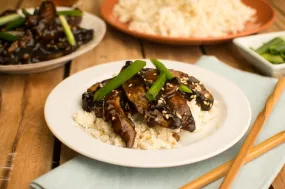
(89, 21)
(245, 43)
(234, 115)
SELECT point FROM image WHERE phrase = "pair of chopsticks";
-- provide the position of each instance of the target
(247, 151)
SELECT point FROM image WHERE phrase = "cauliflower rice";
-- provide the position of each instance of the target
(184, 18)
(146, 138)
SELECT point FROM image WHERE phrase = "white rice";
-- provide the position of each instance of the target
(146, 138)
(184, 18)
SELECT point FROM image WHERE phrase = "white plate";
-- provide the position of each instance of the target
(65, 100)
(89, 21)
(245, 44)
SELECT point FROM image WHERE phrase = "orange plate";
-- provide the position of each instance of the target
(264, 17)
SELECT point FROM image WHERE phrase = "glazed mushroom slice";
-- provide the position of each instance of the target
(116, 116)
(154, 114)
(203, 97)
(178, 104)
(88, 104)
(171, 97)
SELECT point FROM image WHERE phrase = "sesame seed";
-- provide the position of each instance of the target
(198, 88)
(154, 73)
(113, 118)
(164, 112)
(130, 85)
(178, 115)
(167, 116)
(162, 88)
(169, 85)
(160, 101)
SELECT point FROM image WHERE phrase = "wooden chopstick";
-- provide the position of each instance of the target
(220, 171)
(253, 133)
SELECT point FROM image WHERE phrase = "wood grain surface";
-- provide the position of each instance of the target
(27, 145)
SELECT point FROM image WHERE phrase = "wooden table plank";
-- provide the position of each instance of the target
(11, 87)
(29, 137)
(115, 46)
(180, 53)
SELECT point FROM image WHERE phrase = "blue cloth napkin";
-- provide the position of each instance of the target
(82, 172)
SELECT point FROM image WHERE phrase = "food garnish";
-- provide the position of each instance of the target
(15, 24)
(70, 13)
(121, 78)
(8, 18)
(161, 67)
(156, 87)
(273, 51)
(8, 37)
(67, 30)
(25, 12)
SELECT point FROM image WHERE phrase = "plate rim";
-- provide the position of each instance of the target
(183, 40)
(57, 61)
(149, 165)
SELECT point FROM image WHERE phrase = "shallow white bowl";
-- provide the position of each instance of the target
(234, 117)
(245, 43)
(89, 21)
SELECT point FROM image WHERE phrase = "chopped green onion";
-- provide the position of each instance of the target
(121, 78)
(282, 54)
(265, 47)
(8, 18)
(8, 37)
(15, 24)
(275, 59)
(156, 87)
(70, 13)
(67, 30)
(279, 48)
(185, 89)
(25, 12)
(161, 67)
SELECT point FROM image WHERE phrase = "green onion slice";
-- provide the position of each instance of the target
(156, 87)
(162, 69)
(8, 37)
(120, 79)
(70, 13)
(8, 18)
(67, 30)
(25, 12)
(15, 24)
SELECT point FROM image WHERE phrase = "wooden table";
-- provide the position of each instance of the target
(27, 147)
